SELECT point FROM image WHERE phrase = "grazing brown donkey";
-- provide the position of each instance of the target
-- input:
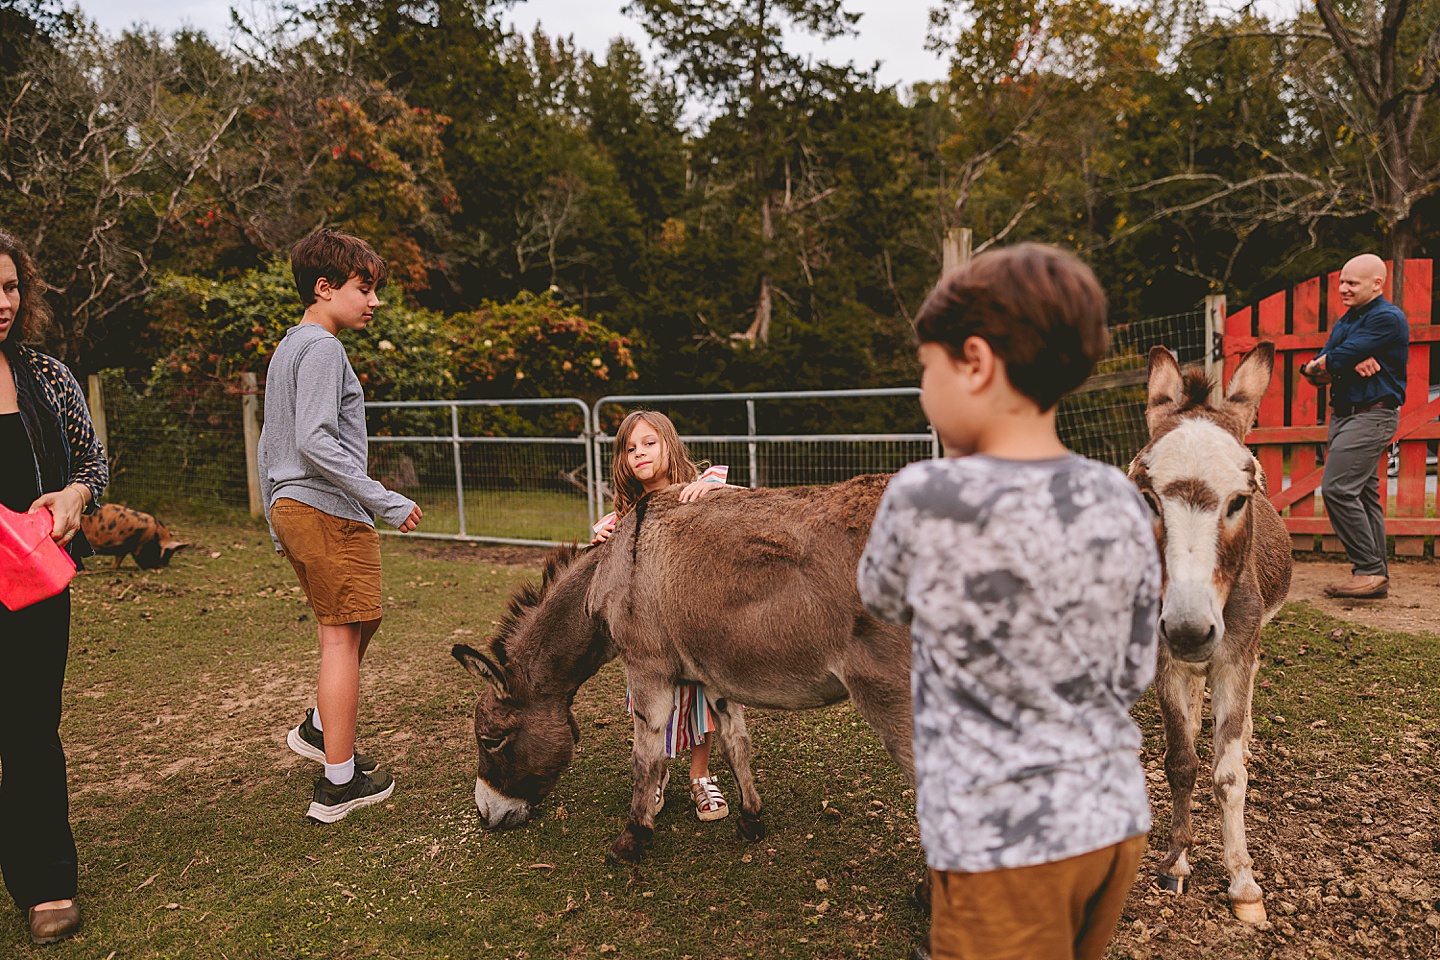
(1226, 559)
(750, 592)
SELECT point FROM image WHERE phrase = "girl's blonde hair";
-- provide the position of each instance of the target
(677, 466)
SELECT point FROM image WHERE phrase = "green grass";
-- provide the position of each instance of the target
(561, 517)
(513, 514)
(188, 807)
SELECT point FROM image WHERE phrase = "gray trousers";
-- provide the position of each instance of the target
(1351, 486)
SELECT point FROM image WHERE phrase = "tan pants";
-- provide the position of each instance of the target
(1065, 910)
(336, 560)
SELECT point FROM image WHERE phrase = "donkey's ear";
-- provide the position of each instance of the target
(1166, 387)
(1249, 383)
(479, 666)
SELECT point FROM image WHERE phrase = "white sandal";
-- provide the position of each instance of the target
(709, 801)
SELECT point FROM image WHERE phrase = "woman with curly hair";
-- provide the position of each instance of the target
(51, 459)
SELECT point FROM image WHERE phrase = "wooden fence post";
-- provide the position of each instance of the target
(1214, 334)
(97, 412)
(1410, 493)
(956, 250)
(249, 412)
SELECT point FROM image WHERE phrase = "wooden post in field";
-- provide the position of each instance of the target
(97, 412)
(957, 249)
(249, 412)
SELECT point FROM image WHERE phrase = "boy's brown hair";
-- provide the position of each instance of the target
(32, 316)
(677, 466)
(1039, 308)
(337, 257)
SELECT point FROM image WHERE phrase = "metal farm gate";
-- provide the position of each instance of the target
(535, 471)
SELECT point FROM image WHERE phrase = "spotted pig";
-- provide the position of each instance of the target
(115, 531)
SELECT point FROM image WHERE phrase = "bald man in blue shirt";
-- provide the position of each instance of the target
(1364, 363)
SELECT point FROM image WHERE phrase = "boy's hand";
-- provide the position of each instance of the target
(604, 532)
(412, 521)
(700, 488)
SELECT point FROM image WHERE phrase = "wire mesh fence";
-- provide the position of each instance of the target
(175, 442)
(1105, 418)
(783, 439)
(537, 471)
(496, 470)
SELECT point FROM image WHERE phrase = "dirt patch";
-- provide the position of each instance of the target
(1410, 608)
(495, 554)
(1346, 863)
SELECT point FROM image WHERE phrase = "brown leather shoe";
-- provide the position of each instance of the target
(1371, 587)
(54, 924)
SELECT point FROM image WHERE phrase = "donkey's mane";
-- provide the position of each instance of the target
(1196, 391)
(531, 595)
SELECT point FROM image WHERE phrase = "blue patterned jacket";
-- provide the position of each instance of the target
(57, 421)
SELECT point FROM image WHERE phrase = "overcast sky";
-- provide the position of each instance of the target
(891, 31)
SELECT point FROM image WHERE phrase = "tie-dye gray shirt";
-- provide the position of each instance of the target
(1031, 589)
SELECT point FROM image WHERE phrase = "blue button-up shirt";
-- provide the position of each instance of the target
(1376, 329)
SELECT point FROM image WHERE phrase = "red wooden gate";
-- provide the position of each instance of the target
(1290, 430)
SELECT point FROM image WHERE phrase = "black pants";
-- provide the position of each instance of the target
(37, 850)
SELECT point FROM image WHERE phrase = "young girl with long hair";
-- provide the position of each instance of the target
(650, 456)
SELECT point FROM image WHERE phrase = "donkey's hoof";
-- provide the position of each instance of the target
(920, 896)
(750, 829)
(630, 846)
(1252, 913)
(1176, 884)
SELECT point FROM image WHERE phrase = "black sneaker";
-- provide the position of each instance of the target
(310, 744)
(333, 803)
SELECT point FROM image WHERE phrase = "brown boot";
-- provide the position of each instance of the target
(1371, 587)
(54, 923)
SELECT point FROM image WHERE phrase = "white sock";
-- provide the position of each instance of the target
(341, 773)
(315, 720)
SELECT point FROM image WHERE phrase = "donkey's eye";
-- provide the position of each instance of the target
(1236, 506)
(1152, 503)
(491, 744)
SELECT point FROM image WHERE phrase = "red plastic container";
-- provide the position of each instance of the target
(32, 566)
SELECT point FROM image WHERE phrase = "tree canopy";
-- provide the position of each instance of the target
(537, 198)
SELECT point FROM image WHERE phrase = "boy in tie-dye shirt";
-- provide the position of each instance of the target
(1030, 579)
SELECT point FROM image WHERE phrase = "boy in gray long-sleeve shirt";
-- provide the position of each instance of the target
(1031, 582)
(319, 502)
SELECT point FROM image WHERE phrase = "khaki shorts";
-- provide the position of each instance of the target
(1068, 908)
(337, 561)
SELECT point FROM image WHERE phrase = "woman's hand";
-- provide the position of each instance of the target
(66, 506)
(699, 488)
(604, 532)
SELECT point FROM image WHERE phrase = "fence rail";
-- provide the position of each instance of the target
(536, 471)
(776, 458)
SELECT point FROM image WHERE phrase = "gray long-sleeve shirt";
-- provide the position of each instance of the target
(1031, 589)
(313, 446)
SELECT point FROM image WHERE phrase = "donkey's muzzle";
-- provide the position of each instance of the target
(1189, 641)
(497, 811)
